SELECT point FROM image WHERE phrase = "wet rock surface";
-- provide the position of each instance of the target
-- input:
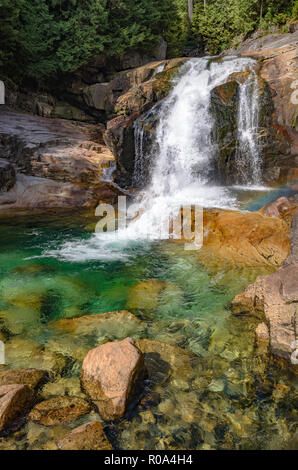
(59, 410)
(146, 87)
(111, 375)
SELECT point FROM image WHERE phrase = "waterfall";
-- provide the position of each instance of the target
(248, 156)
(175, 156)
(182, 158)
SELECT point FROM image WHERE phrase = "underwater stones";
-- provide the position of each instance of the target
(59, 410)
(21, 352)
(216, 385)
(62, 386)
(17, 319)
(145, 295)
(113, 325)
(163, 360)
(25, 353)
(41, 437)
(89, 436)
(14, 401)
(110, 376)
(30, 377)
(68, 346)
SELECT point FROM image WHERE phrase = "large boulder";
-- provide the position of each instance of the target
(89, 436)
(14, 401)
(59, 410)
(248, 238)
(110, 376)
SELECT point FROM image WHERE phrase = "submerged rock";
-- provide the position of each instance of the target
(89, 436)
(59, 410)
(145, 295)
(164, 360)
(63, 386)
(30, 377)
(14, 402)
(113, 325)
(110, 376)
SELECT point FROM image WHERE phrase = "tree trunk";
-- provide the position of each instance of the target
(190, 9)
(261, 10)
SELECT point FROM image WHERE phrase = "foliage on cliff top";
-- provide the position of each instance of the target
(44, 38)
(217, 23)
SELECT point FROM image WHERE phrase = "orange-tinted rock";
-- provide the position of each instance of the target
(110, 376)
(59, 410)
(14, 402)
(249, 238)
(89, 436)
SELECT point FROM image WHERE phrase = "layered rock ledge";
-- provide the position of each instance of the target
(51, 163)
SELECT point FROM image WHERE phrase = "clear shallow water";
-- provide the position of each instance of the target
(230, 397)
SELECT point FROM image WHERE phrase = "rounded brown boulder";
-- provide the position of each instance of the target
(110, 376)
(59, 410)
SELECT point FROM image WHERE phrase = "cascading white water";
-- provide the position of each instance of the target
(184, 148)
(248, 156)
(182, 156)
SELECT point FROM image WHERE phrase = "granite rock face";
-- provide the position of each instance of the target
(51, 162)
